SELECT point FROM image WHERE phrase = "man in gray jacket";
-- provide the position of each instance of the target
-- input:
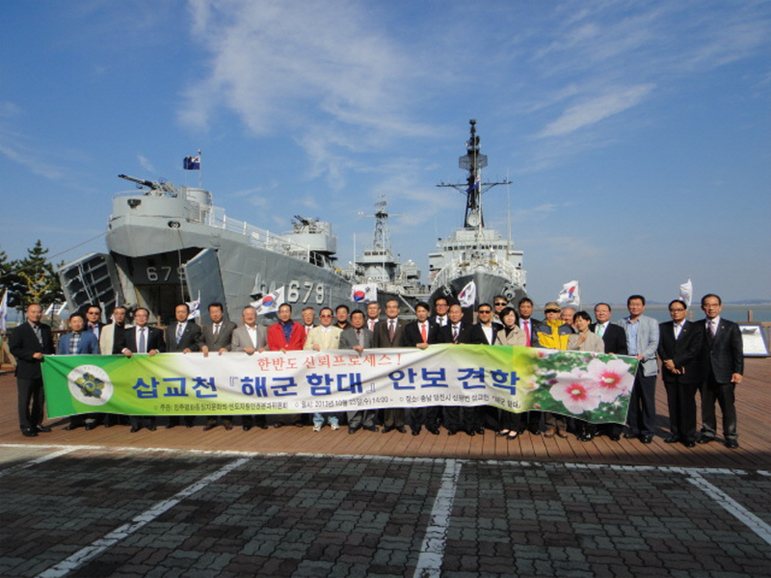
(642, 340)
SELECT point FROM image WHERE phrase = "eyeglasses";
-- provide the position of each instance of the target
(673, 310)
(485, 310)
(552, 311)
(501, 303)
(325, 315)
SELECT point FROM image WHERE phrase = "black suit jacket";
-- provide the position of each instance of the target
(412, 334)
(154, 339)
(684, 352)
(191, 337)
(381, 334)
(614, 338)
(444, 335)
(724, 355)
(477, 334)
(23, 343)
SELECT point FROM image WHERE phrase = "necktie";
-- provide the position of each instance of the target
(455, 334)
(527, 332)
(180, 330)
(423, 333)
(678, 330)
(600, 329)
(38, 334)
(391, 330)
(216, 329)
(142, 347)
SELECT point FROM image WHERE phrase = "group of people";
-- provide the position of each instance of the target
(704, 356)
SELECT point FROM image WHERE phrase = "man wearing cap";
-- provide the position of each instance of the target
(553, 333)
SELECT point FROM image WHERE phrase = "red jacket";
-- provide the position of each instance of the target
(277, 341)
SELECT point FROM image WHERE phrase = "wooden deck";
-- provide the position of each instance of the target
(753, 405)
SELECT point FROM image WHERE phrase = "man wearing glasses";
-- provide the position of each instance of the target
(483, 333)
(499, 302)
(553, 333)
(679, 349)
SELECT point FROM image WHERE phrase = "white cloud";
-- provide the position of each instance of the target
(597, 109)
(145, 163)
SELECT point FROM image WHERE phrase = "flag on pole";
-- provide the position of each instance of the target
(192, 163)
(476, 185)
(686, 292)
(4, 312)
(364, 293)
(468, 296)
(270, 302)
(195, 308)
(569, 295)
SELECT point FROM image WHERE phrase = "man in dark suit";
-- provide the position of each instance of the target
(358, 338)
(680, 344)
(527, 322)
(30, 342)
(216, 336)
(94, 322)
(483, 333)
(182, 336)
(722, 363)
(390, 333)
(441, 308)
(456, 418)
(614, 338)
(421, 333)
(142, 339)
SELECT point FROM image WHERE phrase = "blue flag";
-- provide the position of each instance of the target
(192, 163)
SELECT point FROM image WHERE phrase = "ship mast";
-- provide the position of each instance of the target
(473, 161)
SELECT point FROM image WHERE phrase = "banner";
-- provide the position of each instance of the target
(594, 387)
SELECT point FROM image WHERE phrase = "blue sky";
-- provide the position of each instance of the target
(637, 135)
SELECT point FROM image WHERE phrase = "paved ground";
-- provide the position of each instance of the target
(128, 512)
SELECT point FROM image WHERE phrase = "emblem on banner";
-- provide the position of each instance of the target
(90, 385)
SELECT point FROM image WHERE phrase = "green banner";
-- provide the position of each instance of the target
(593, 387)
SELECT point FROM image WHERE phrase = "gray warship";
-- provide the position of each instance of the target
(475, 253)
(168, 244)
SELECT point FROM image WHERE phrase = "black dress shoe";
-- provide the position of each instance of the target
(247, 427)
(401, 429)
(229, 426)
(615, 438)
(731, 444)
(71, 426)
(27, 432)
(353, 430)
(690, 444)
(151, 427)
(631, 436)
(209, 426)
(135, 428)
(170, 425)
(672, 439)
(90, 426)
(433, 430)
(646, 439)
(470, 432)
(44, 429)
(705, 440)
(416, 431)
(480, 431)
(371, 428)
(388, 428)
(451, 432)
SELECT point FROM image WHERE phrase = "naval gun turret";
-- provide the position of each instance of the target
(161, 187)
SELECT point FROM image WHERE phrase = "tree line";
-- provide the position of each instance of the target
(32, 279)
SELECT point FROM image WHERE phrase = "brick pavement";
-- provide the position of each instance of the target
(346, 517)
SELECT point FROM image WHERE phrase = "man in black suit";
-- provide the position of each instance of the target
(722, 363)
(527, 322)
(216, 336)
(29, 343)
(142, 339)
(456, 417)
(421, 333)
(390, 333)
(94, 322)
(483, 333)
(182, 336)
(440, 317)
(680, 344)
(614, 338)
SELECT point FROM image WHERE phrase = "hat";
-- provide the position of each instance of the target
(552, 305)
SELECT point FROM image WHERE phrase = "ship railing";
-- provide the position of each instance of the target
(261, 238)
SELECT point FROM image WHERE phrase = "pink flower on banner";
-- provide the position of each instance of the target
(577, 393)
(613, 378)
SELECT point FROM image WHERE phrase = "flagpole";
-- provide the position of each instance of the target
(200, 169)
